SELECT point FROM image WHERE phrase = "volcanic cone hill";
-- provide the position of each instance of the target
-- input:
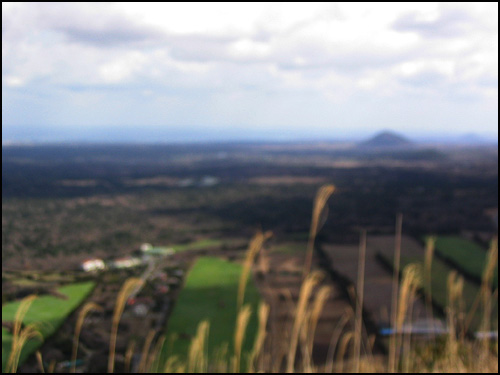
(387, 140)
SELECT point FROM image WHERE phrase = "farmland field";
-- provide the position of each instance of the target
(378, 281)
(439, 276)
(464, 254)
(210, 293)
(63, 204)
(198, 244)
(50, 310)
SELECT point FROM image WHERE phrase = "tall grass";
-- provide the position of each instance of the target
(239, 335)
(429, 255)
(87, 308)
(395, 289)
(20, 336)
(261, 336)
(127, 289)
(319, 205)
(300, 314)
(359, 301)
(255, 245)
(197, 360)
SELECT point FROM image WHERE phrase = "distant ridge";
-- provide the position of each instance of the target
(387, 139)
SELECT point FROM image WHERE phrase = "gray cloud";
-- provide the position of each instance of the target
(96, 26)
(450, 23)
(118, 34)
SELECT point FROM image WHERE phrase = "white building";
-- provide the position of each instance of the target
(93, 264)
(126, 262)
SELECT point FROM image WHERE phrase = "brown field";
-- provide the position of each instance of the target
(378, 280)
(280, 288)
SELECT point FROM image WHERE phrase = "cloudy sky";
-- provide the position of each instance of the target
(190, 72)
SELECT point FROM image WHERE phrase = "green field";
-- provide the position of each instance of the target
(464, 254)
(439, 276)
(210, 293)
(50, 310)
(197, 245)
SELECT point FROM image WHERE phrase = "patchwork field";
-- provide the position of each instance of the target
(49, 310)
(201, 244)
(439, 276)
(465, 255)
(210, 293)
(378, 278)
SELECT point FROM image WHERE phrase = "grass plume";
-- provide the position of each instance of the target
(395, 291)
(128, 287)
(40, 361)
(87, 308)
(300, 313)
(253, 248)
(21, 336)
(239, 334)
(430, 245)
(152, 363)
(197, 361)
(322, 196)
(128, 354)
(263, 314)
(145, 350)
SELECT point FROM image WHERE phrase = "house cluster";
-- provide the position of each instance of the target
(146, 253)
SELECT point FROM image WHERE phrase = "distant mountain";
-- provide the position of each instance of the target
(387, 139)
(473, 139)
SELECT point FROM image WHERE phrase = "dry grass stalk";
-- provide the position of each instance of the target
(29, 332)
(487, 277)
(17, 337)
(348, 314)
(263, 314)
(197, 361)
(486, 288)
(254, 247)
(491, 265)
(152, 366)
(128, 355)
(322, 196)
(220, 364)
(239, 334)
(319, 302)
(89, 306)
(305, 292)
(411, 281)
(52, 366)
(145, 350)
(395, 292)
(23, 308)
(358, 323)
(344, 342)
(308, 330)
(39, 361)
(429, 254)
(171, 365)
(455, 286)
(128, 287)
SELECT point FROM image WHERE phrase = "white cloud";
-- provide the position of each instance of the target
(331, 51)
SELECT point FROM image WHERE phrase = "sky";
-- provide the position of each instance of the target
(220, 71)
